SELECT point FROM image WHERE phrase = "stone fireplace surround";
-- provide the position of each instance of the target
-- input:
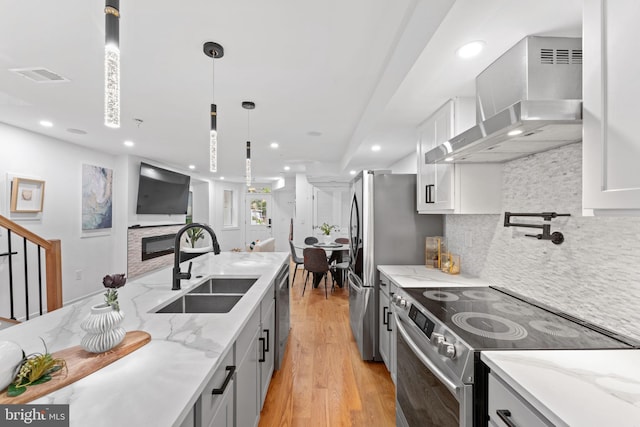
(136, 266)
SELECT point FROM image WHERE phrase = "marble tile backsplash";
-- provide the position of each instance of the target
(594, 274)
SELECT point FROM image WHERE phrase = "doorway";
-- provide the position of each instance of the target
(258, 219)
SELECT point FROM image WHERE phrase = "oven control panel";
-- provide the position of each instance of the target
(427, 326)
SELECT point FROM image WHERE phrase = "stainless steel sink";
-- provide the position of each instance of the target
(224, 285)
(202, 304)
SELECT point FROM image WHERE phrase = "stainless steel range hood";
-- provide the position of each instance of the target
(529, 100)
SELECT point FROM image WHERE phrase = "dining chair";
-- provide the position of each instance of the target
(315, 261)
(340, 261)
(295, 258)
(310, 240)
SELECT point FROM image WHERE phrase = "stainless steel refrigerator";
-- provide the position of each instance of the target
(384, 228)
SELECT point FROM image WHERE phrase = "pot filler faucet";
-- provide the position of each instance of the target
(177, 274)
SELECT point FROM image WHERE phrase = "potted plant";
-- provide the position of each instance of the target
(326, 230)
(193, 235)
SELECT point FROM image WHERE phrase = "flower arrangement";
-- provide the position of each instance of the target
(326, 228)
(34, 369)
(113, 282)
(193, 235)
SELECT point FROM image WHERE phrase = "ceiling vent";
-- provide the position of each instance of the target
(39, 75)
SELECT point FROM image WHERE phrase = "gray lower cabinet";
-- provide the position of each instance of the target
(190, 419)
(248, 351)
(235, 394)
(507, 408)
(268, 346)
(255, 350)
(215, 408)
(386, 325)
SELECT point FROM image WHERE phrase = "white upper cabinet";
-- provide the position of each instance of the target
(454, 188)
(611, 146)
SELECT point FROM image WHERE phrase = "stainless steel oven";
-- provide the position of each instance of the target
(428, 392)
(441, 333)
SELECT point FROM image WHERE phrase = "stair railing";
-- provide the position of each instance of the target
(53, 266)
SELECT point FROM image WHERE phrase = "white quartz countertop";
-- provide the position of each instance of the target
(575, 387)
(419, 276)
(157, 384)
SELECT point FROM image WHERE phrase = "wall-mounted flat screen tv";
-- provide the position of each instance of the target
(162, 191)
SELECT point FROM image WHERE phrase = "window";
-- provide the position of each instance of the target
(229, 213)
(258, 211)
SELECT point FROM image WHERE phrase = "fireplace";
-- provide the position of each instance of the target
(156, 246)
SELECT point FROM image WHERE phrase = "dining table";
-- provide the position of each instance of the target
(335, 250)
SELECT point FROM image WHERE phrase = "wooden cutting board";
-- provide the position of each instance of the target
(80, 363)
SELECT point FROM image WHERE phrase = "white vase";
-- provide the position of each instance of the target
(102, 327)
(10, 360)
(326, 239)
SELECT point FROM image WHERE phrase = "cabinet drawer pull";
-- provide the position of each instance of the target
(231, 370)
(263, 358)
(389, 322)
(505, 416)
(385, 317)
(267, 331)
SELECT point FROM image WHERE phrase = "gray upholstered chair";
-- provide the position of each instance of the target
(295, 258)
(315, 261)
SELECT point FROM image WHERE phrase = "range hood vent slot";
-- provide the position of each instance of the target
(560, 56)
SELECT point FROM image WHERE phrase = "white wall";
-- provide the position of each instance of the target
(283, 212)
(59, 164)
(407, 164)
(303, 223)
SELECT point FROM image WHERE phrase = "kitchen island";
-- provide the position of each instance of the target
(159, 383)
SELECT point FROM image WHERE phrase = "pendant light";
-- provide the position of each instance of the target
(112, 64)
(248, 105)
(214, 51)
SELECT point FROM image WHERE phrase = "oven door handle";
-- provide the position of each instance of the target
(451, 386)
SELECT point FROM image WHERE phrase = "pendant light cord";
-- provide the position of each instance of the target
(248, 125)
(213, 79)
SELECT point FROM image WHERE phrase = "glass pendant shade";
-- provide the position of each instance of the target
(248, 164)
(112, 64)
(213, 140)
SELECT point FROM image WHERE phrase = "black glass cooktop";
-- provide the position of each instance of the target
(490, 319)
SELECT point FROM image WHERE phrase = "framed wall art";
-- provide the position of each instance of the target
(97, 197)
(27, 195)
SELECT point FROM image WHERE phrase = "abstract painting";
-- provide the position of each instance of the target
(97, 197)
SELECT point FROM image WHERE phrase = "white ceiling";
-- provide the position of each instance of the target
(360, 72)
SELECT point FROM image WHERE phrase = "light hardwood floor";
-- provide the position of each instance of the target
(323, 381)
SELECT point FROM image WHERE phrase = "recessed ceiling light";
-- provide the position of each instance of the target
(352, 172)
(128, 143)
(287, 168)
(448, 159)
(274, 145)
(222, 177)
(314, 133)
(470, 49)
(192, 167)
(375, 148)
(46, 123)
(514, 132)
